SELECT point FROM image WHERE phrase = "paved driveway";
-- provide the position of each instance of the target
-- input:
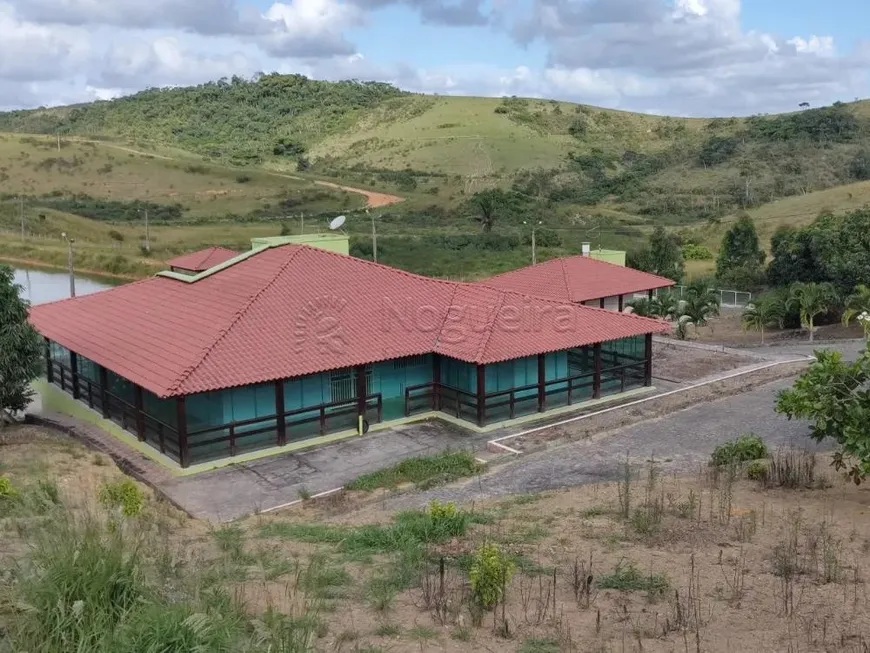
(242, 489)
(681, 441)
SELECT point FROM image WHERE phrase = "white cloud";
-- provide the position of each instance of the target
(690, 57)
(306, 28)
(685, 57)
(31, 52)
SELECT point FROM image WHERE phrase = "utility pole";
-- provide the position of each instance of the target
(374, 239)
(147, 234)
(58, 141)
(301, 223)
(534, 244)
(21, 215)
(72, 275)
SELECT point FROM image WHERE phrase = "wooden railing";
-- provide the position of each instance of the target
(235, 434)
(130, 418)
(451, 400)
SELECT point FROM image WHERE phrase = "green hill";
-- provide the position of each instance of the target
(585, 172)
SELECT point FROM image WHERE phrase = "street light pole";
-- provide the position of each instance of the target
(72, 276)
(534, 248)
(374, 238)
(147, 235)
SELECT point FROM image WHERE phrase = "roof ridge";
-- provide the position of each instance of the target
(489, 328)
(444, 321)
(568, 292)
(236, 317)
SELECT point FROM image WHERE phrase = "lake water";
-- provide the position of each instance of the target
(41, 287)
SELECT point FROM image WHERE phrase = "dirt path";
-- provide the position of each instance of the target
(373, 200)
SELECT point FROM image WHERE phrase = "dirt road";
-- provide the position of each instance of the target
(373, 200)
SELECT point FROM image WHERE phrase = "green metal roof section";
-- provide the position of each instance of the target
(331, 242)
(193, 278)
(338, 243)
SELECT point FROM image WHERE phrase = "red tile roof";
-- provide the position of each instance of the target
(294, 310)
(577, 279)
(203, 260)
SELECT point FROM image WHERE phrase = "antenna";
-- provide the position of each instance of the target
(337, 223)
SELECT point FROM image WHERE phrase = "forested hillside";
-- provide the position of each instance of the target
(475, 172)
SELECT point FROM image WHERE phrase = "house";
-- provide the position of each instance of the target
(581, 280)
(288, 344)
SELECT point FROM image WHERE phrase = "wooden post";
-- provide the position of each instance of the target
(621, 303)
(181, 418)
(140, 413)
(542, 383)
(104, 391)
(279, 413)
(361, 391)
(74, 364)
(596, 379)
(49, 370)
(481, 395)
(436, 382)
(601, 303)
(647, 376)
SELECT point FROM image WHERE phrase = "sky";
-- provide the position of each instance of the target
(676, 57)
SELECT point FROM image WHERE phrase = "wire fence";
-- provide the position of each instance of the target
(727, 298)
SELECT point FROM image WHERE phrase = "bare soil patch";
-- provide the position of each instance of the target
(711, 562)
(673, 362)
(728, 329)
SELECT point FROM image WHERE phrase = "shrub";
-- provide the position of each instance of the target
(692, 252)
(125, 495)
(757, 470)
(7, 490)
(743, 449)
(243, 178)
(491, 571)
(627, 578)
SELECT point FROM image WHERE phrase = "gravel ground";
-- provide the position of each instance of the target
(682, 441)
(679, 364)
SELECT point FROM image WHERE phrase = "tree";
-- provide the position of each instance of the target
(487, 205)
(833, 395)
(856, 304)
(642, 307)
(700, 304)
(740, 251)
(811, 300)
(663, 256)
(835, 249)
(666, 305)
(21, 348)
(766, 312)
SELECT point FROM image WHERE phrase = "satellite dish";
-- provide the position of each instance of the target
(337, 223)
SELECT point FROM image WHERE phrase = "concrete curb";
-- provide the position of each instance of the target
(498, 441)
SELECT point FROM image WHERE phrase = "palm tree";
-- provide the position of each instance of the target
(811, 300)
(666, 306)
(704, 294)
(856, 304)
(766, 312)
(698, 310)
(642, 307)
